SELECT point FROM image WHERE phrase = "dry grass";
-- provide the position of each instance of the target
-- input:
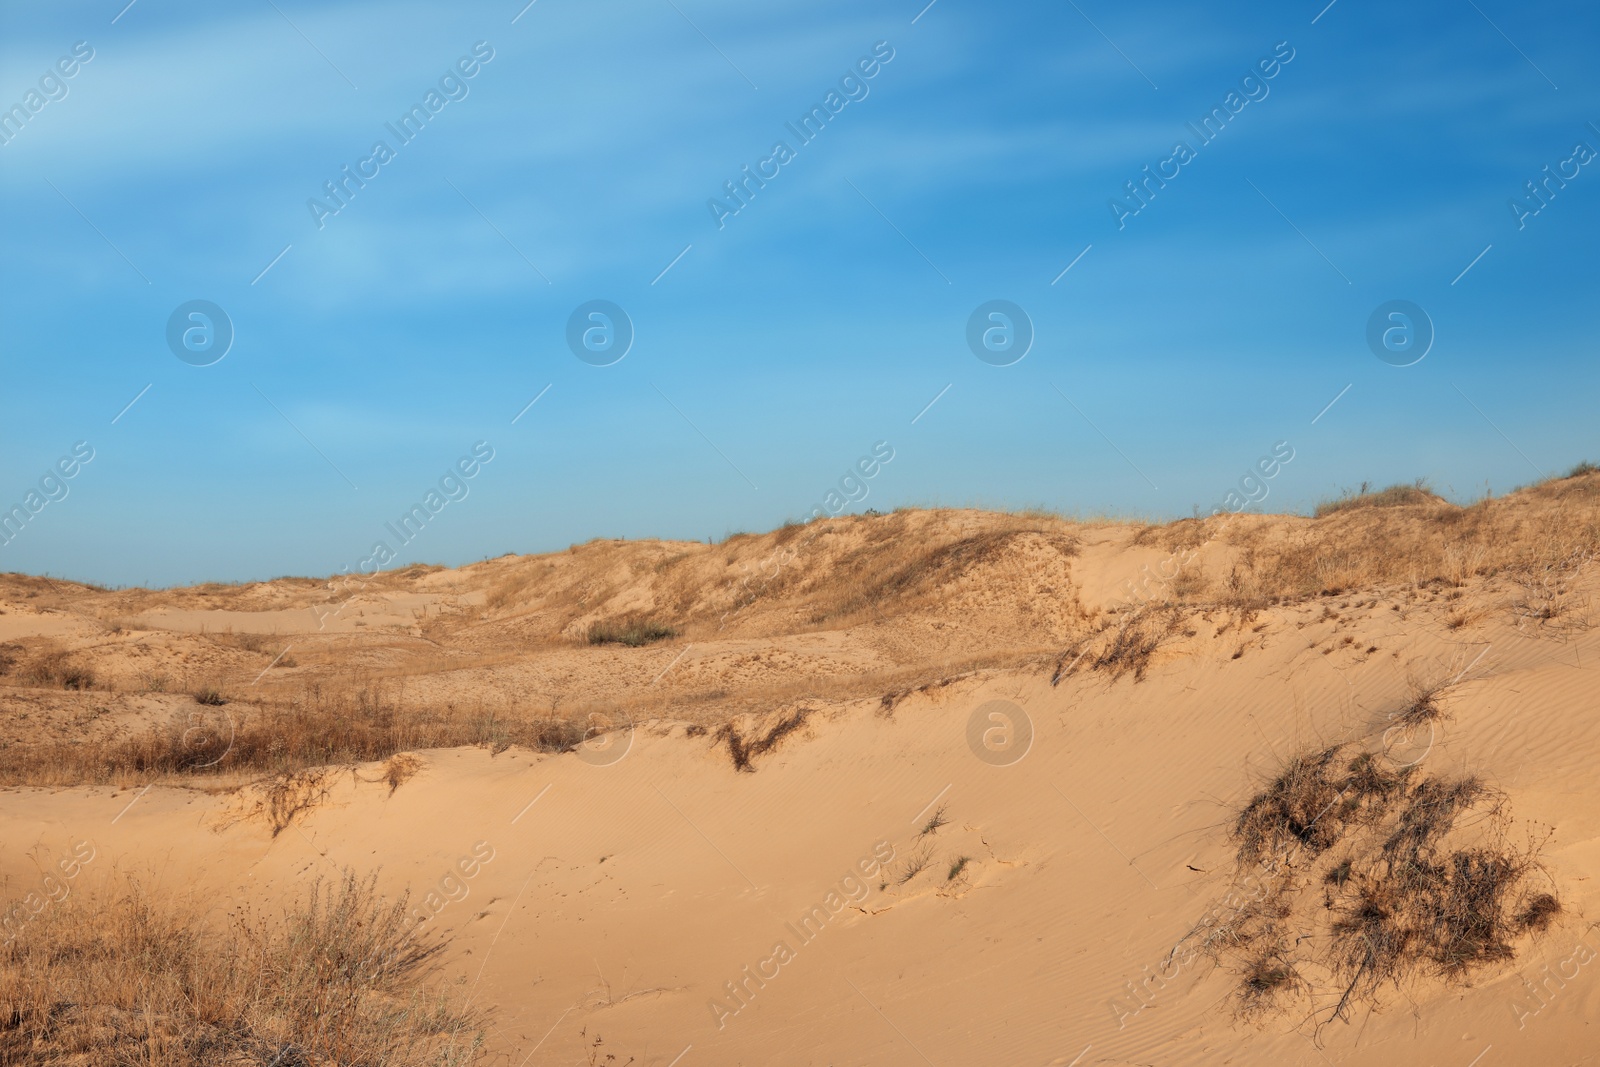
(400, 769)
(322, 725)
(1418, 890)
(919, 861)
(510, 590)
(1134, 643)
(1395, 496)
(1124, 644)
(284, 796)
(55, 668)
(1541, 536)
(1270, 979)
(897, 567)
(131, 975)
(1545, 583)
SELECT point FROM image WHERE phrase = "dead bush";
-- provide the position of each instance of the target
(1417, 889)
(744, 750)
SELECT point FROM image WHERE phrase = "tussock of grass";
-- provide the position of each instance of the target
(57, 668)
(630, 632)
(916, 863)
(130, 975)
(1423, 708)
(1394, 496)
(1538, 913)
(1269, 978)
(285, 796)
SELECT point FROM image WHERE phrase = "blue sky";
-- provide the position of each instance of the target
(577, 164)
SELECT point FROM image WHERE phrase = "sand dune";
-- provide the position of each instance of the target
(934, 787)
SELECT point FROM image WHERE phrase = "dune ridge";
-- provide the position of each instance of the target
(1089, 778)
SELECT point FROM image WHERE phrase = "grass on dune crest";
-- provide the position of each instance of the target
(1394, 496)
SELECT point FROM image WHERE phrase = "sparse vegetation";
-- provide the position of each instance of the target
(935, 821)
(957, 865)
(915, 864)
(1127, 644)
(132, 974)
(210, 696)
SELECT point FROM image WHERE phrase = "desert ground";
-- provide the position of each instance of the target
(931, 787)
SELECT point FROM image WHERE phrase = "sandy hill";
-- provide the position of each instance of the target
(939, 787)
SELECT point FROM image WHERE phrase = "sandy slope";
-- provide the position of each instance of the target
(627, 884)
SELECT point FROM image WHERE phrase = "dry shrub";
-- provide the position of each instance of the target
(1416, 891)
(1312, 800)
(745, 750)
(631, 632)
(130, 975)
(59, 668)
